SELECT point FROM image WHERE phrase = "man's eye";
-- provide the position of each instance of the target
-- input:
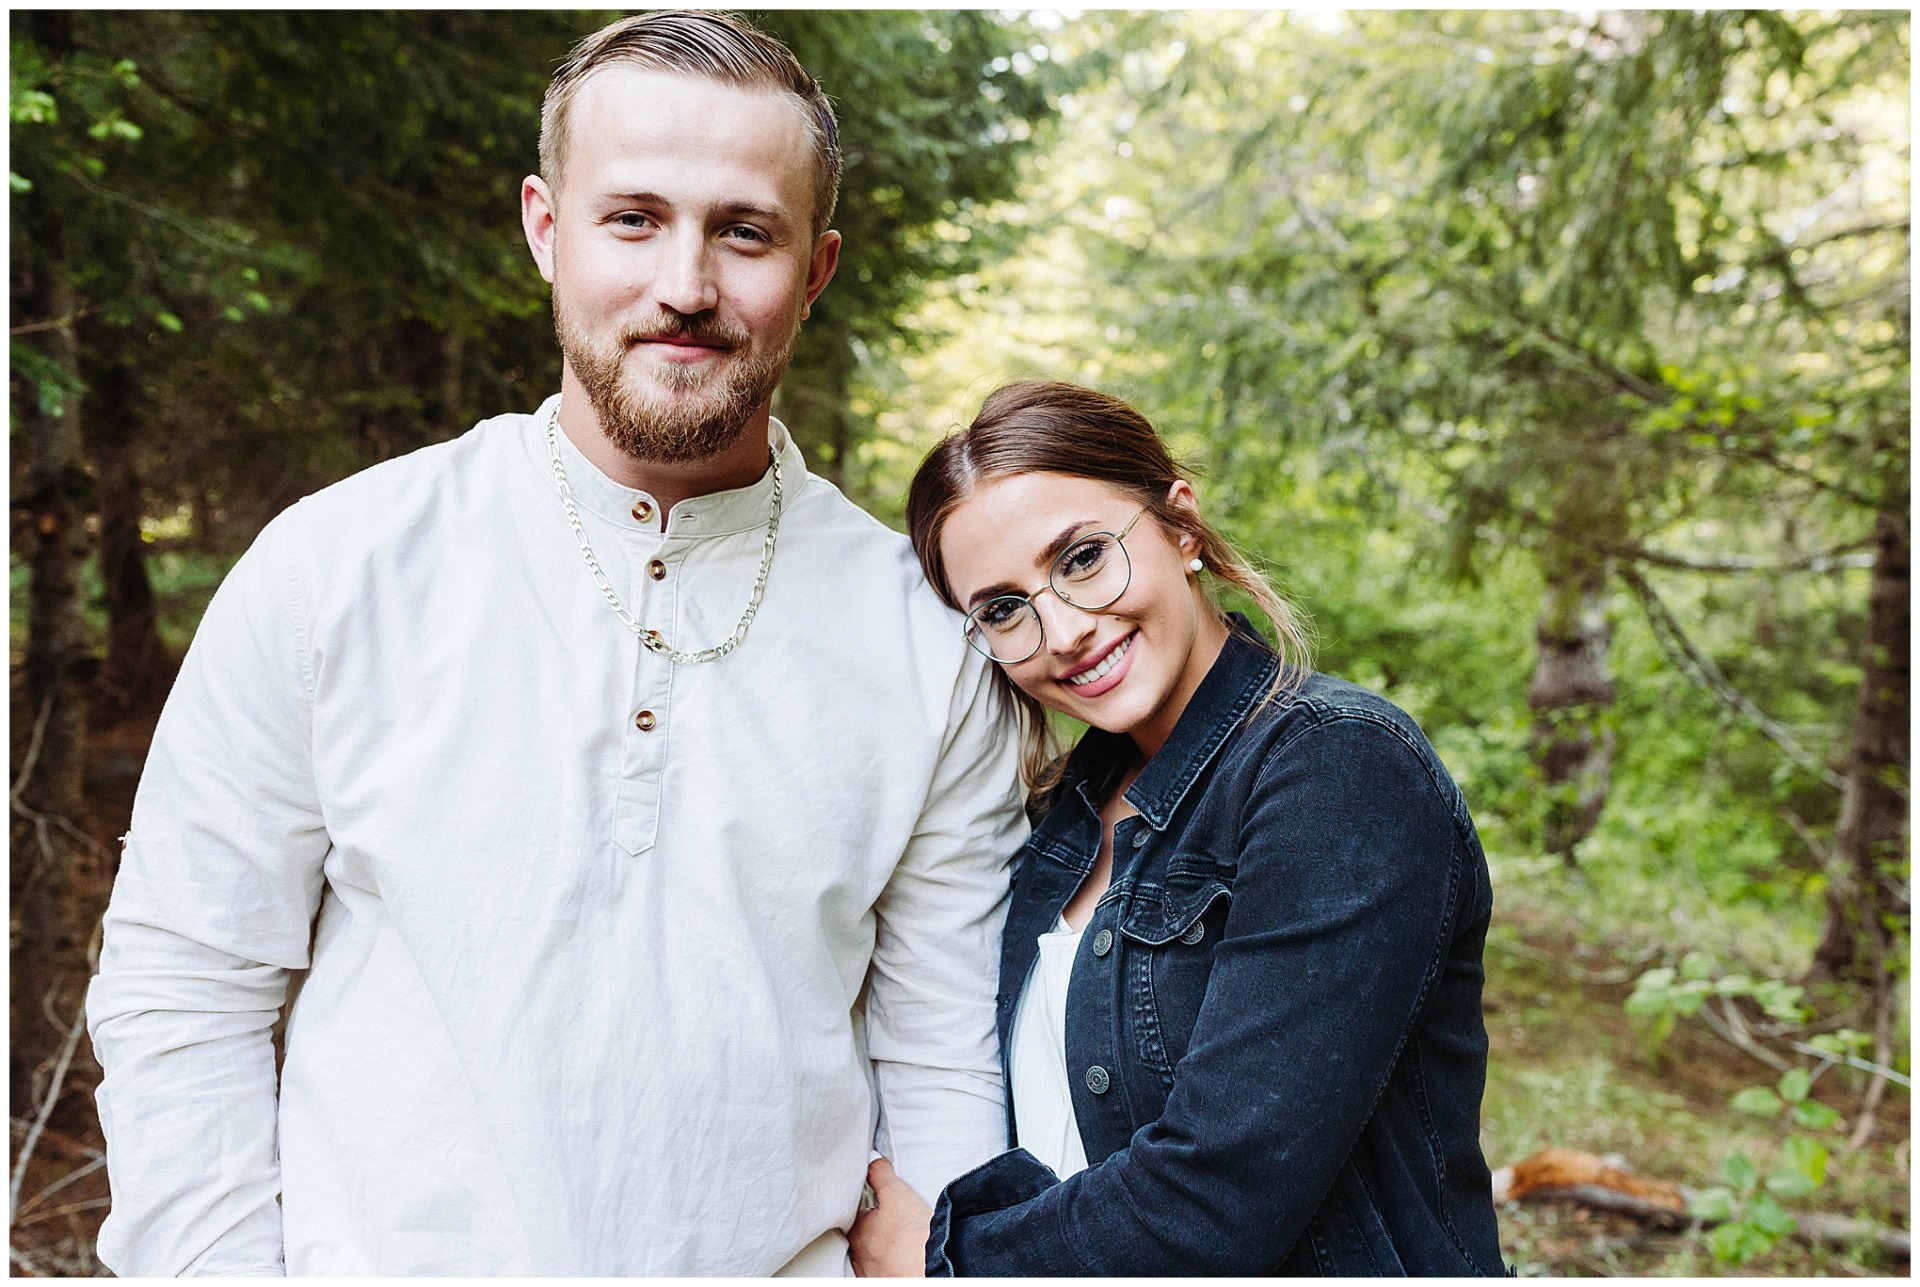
(742, 233)
(631, 219)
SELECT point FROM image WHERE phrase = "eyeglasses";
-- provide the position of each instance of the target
(1090, 574)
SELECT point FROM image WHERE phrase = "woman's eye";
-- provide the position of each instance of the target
(1084, 559)
(998, 613)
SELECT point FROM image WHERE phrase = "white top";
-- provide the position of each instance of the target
(583, 997)
(1037, 1056)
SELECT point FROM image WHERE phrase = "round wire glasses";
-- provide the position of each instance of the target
(1090, 574)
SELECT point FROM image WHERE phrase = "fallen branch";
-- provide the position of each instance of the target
(1565, 1175)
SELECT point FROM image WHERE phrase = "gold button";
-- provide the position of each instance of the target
(642, 512)
(644, 721)
(657, 570)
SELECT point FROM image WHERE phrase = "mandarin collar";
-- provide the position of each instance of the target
(738, 509)
(1234, 683)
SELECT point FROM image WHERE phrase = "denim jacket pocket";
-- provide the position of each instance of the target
(1156, 917)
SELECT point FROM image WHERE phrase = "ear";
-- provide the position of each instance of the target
(821, 267)
(537, 211)
(1181, 499)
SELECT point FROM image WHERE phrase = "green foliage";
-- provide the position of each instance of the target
(1665, 994)
(1745, 1211)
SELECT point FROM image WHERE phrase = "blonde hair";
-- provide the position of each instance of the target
(717, 46)
(1048, 426)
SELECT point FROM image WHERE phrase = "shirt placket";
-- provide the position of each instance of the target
(653, 587)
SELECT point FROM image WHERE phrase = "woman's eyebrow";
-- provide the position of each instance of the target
(1057, 546)
(1054, 549)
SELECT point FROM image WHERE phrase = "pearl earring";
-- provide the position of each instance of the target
(1196, 565)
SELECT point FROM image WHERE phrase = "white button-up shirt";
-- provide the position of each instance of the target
(604, 958)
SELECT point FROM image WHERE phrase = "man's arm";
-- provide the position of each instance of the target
(213, 905)
(930, 1005)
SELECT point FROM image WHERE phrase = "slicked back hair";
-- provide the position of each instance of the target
(687, 42)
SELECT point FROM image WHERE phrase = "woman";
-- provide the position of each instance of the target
(1240, 983)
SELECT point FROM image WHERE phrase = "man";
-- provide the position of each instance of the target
(633, 810)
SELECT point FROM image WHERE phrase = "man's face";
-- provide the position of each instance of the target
(681, 255)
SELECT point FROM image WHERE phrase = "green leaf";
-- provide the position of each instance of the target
(1790, 1184)
(1803, 1156)
(1712, 1205)
(1794, 1084)
(1697, 965)
(1780, 1000)
(1738, 1242)
(1759, 1101)
(1814, 1115)
(233, 314)
(1739, 1172)
(168, 322)
(1845, 1041)
(34, 106)
(1770, 1218)
(259, 301)
(17, 183)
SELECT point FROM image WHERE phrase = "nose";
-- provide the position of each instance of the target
(1066, 627)
(685, 282)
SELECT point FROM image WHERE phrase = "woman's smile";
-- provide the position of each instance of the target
(1104, 673)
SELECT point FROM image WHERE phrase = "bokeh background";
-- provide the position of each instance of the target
(1556, 363)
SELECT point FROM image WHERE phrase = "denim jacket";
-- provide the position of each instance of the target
(1274, 1023)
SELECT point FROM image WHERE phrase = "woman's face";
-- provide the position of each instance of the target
(1129, 667)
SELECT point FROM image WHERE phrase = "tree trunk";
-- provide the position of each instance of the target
(44, 944)
(1867, 901)
(453, 375)
(111, 424)
(1569, 694)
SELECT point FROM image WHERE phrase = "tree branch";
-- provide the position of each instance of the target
(1840, 557)
(1699, 667)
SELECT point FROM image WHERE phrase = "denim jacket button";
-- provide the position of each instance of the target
(1140, 838)
(1103, 942)
(1194, 934)
(1097, 1080)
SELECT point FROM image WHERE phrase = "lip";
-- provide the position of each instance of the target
(679, 349)
(1107, 682)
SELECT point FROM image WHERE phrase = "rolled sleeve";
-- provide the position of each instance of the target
(930, 1003)
(1343, 907)
(212, 906)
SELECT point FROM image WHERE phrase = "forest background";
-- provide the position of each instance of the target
(1557, 364)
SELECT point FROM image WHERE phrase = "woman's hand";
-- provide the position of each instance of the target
(890, 1241)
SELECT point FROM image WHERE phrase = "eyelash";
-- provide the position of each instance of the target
(635, 221)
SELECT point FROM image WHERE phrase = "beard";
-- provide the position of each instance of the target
(673, 415)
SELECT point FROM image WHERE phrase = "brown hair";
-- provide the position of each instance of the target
(689, 42)
(1047, 426)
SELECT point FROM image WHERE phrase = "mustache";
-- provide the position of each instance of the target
(700, 328)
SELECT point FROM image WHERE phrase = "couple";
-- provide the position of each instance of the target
(633, 840)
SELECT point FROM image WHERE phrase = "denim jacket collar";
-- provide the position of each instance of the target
(1240, 674)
